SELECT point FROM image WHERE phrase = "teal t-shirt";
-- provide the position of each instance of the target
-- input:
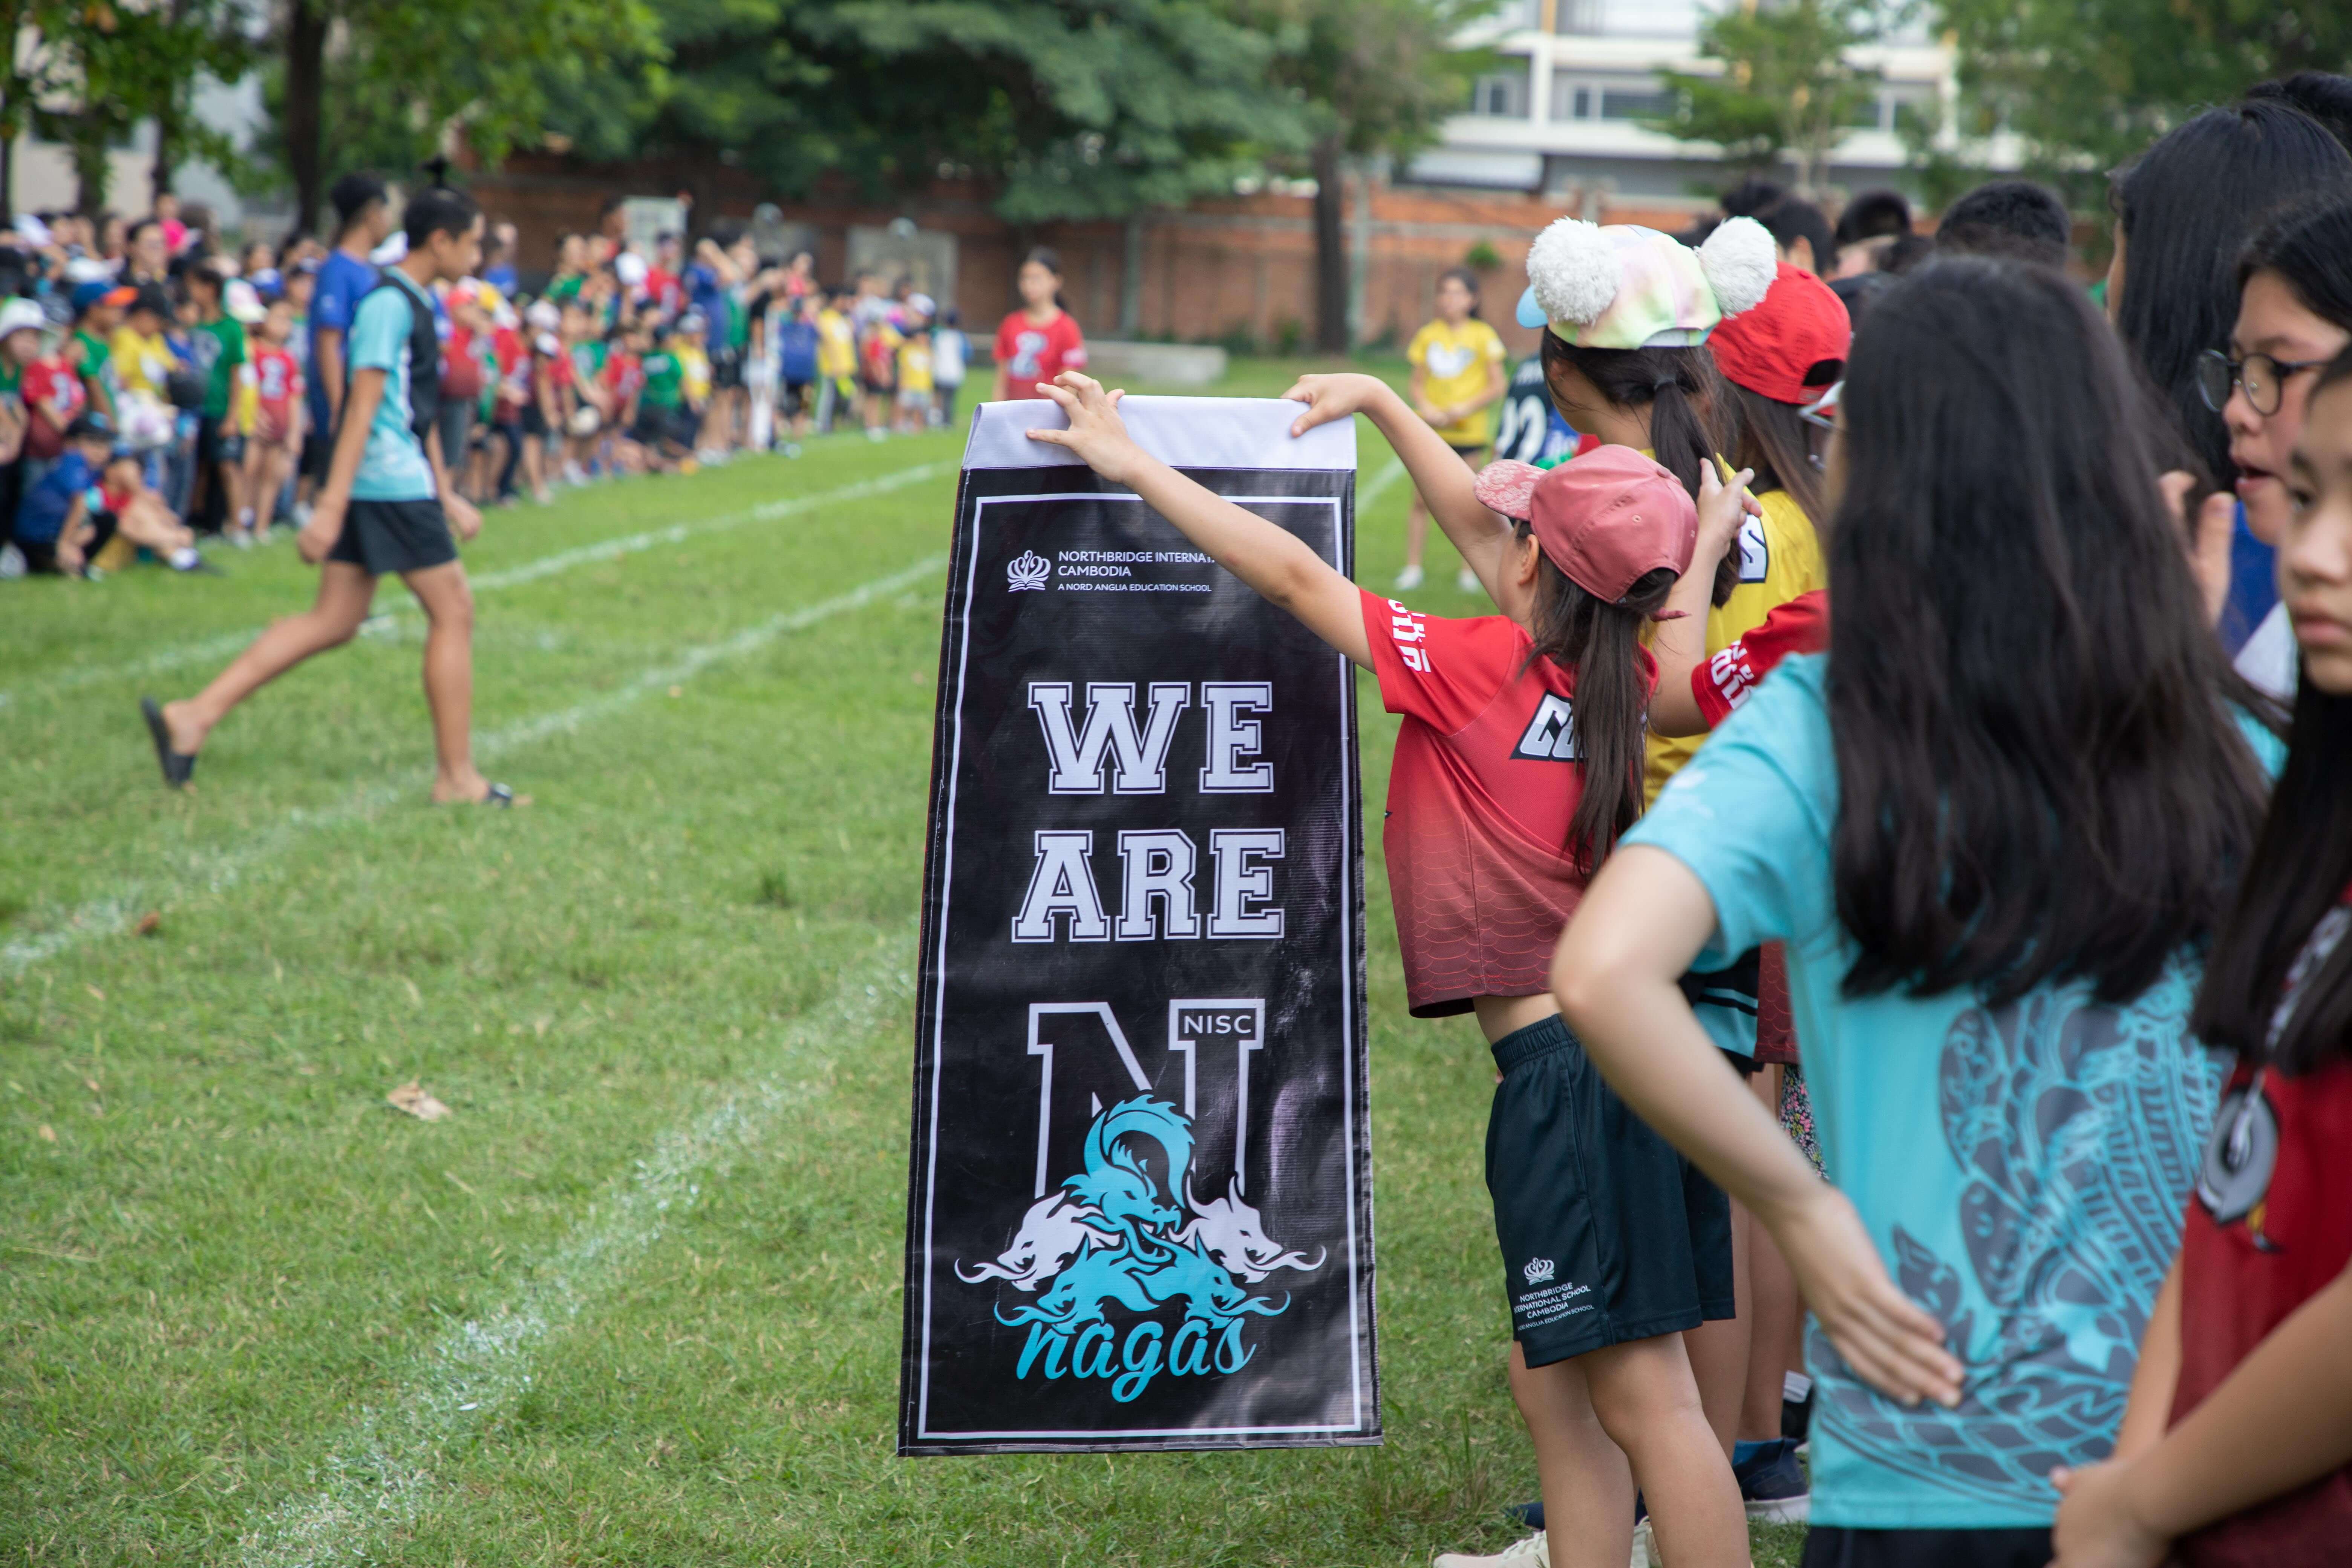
(2023, 1169)
(393, 467)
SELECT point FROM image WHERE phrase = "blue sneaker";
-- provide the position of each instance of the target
(1772, 1483)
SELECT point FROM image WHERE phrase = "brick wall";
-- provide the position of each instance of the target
(1230, 269)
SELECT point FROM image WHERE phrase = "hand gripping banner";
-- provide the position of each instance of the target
(1140, 1203)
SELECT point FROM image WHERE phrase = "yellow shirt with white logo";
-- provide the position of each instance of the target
(1779, 558)
(1454, 363)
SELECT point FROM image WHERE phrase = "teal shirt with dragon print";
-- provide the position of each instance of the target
(2022, 1169)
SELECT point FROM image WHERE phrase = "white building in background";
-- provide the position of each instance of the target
(42, 172)
(1561, 110)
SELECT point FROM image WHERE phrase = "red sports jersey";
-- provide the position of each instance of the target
(1031, 354)
(2266, 1232)
(277, 379)
(625, 374)
(54, 394)
(1724, 681)
(1486, 779)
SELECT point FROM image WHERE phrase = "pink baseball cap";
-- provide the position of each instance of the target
(1607, 518)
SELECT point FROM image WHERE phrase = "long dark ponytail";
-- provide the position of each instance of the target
(1600, 646)
(1688, 405)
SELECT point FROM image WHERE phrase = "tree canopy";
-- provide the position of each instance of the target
(1788, 85)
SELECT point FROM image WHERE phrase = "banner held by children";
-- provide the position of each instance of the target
(1140, 1197)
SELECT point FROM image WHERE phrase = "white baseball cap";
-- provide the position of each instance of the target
(21, 315)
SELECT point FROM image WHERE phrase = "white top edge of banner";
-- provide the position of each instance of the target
(1182, 432)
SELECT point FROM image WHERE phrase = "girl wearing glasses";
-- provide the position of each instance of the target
(2295, 315)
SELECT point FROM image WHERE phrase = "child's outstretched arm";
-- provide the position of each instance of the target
(1443, 479)
(1277, 563)
(1616, 978)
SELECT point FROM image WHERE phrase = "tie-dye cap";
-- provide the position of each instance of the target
(1625, 286)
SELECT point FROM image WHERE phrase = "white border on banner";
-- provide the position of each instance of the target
(923, 1430)
(1182, 432)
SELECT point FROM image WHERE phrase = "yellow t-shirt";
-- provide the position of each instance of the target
(1779, 558)
(1453, 362)
(837, 344)
(915, 366)
(141, 363)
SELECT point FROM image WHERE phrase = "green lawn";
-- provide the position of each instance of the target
(635, 1299)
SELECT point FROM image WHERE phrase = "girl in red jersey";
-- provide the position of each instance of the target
(1041, 340)
(276, 442)
(1518, 763)
(2244, 1360)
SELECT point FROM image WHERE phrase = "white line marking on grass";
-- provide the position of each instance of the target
(226, 645)
(1390, 472)
(220, 868)
(379, 1473)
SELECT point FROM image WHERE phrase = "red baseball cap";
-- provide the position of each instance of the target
(1606, 520)
(1769, 350)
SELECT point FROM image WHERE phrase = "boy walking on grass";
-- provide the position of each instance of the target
(386, 506)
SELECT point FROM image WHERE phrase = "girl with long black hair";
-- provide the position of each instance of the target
(1993, 825)
(2244, 1360)
(2295, 315)
(1517, 767)
(2184, 209)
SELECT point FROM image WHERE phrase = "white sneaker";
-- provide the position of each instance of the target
(1408, 580)
(1645, 1547)
(1468, 581)
(1532, 1553)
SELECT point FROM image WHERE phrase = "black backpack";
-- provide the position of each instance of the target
(424, 353)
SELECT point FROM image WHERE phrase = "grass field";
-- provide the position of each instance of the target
(635, 1299)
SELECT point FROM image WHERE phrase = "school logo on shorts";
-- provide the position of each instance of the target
(1026, 571)
(1540, 1271)
(1550, 734)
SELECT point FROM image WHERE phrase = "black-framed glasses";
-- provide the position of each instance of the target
(2262, 378)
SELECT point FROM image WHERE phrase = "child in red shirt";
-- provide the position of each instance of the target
(1518, 763)
(54, 396)
(276, 444)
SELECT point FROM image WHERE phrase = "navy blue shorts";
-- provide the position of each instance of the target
(1608, 1234)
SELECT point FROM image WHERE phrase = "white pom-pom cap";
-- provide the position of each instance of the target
(1573, 272)
(1622, 285)
(1741, 262)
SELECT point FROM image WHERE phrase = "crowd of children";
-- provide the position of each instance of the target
(2015, 873)
(214, 378)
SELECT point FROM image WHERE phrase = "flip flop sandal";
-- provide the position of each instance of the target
(497, 795)
(176, 765)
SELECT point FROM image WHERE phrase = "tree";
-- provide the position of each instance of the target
(402, 73)
(1376, 76)
(36, 69)
(2086, 84)
(108, 67)
(1787, 87)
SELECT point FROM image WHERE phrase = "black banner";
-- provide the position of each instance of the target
(1140, 1200)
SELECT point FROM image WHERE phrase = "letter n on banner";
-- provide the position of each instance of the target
(1139, 1209)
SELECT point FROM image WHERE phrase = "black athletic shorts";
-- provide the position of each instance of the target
(1835, 1546)
(214, 447)
(388, 537)
(1608, 1234)
(317, 450)
(726, 368)
(533, 422)
(1469, 455)
(655, 425)
(800, 397)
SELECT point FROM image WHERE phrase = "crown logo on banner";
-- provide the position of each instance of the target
(1028, 570)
